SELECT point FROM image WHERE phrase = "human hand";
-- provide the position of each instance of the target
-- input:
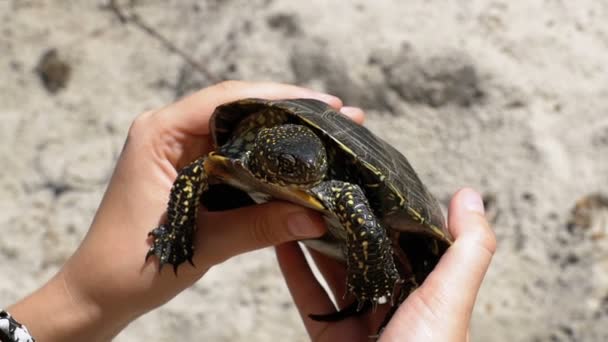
(106, 283)
(439, 310)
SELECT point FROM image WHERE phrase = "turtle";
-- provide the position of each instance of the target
(382, 221)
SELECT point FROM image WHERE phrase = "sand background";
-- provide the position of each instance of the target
(510, 97)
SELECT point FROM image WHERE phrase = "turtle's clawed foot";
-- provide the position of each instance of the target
(170, 247)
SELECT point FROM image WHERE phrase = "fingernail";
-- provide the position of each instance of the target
(304, 225)
(351, 110)
(329, 98)
(472, 201)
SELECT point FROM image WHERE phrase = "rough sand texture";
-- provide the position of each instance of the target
(510, 97)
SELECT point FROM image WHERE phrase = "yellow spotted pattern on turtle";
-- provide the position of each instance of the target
(391, 231)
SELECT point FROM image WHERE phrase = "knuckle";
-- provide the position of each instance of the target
(140, 124)
(136, 126)
(490, 243)
(488, 238)
(476, 231)
(485, 236)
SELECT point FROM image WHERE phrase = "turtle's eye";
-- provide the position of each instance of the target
(287, 160)
(288, 164)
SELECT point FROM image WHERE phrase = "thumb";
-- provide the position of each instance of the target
(440, 309)
(222, 235)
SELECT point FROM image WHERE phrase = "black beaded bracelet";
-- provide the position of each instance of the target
(13, 331)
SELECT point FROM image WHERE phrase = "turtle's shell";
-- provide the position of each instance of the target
(356, 155)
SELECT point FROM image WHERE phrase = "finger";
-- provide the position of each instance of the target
(228, 233)
(308, 295)
(446, 298)
(468, 205)
(191, 114)
(356, 114)
(334, 273)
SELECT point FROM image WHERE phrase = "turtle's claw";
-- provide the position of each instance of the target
(170, 247)
(149, 254)
(352, 310)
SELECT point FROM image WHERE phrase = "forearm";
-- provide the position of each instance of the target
(52, 313)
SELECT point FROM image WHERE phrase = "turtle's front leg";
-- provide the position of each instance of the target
(173, 241)
(371, 269)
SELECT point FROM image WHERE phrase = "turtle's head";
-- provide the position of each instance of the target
(288, 155)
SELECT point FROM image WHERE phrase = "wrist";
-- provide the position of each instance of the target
(55, 313)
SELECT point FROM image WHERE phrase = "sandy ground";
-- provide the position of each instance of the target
(510, 97)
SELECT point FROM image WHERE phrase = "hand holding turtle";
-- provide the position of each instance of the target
(439, 310)
(106, 284)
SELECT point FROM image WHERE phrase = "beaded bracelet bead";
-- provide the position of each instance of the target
(13, 331)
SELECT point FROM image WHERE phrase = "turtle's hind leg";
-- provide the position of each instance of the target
(173, 241)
